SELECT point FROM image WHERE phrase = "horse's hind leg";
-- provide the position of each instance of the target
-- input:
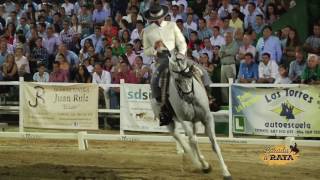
(186, 147)
(209, 125)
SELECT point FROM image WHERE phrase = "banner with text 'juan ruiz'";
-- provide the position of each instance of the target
(58, 106)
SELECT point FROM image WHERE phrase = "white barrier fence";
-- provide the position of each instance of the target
(83, 136)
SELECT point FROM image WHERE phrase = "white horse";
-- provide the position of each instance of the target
(189, 101)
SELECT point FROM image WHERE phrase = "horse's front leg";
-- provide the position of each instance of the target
(209, 125)
(186, 147)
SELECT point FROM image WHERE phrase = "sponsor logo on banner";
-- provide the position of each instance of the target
(280, 155)
(276, 111)
(56, 106)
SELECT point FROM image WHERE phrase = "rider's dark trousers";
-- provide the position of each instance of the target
(163, 60)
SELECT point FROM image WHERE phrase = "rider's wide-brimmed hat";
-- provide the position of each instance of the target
(155, 12)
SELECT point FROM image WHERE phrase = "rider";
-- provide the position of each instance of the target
(159, 38)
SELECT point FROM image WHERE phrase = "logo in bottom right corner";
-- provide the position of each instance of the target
(281, 154)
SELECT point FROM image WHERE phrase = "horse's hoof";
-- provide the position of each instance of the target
(227, 178)
(207, 170)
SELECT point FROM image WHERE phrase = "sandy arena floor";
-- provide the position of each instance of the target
(42, 159)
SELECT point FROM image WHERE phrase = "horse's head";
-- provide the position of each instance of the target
(181, 73)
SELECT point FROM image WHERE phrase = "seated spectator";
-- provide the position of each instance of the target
(88, 63)
(84, 50)
(259, 25)
(137, 32)
(22, 62)
(109, 31)
(125, 72)
(125, 37)
(213, 19)
(67, 35)
(246, 47)
(250, 15)
(174, 14)
(312, 44)
(271, 13)
(208, 48)
(41, 75)
(10, 69)
(102, 78)
(71, 57)
(99, 14)
(109, 66)
(225, 9)
(271, 44)
(117, 49)
(283, 78)
(226, 26)
(296, 67)
(185, 31)
(39, 54)
(64, 64)
(190, 24)
(143, 73)
(290, 48)
(217, 39)
(235, 21)
(203, 31)
(82, 75)
(131, 55)
(57, 75)
(311, 74)
(96, 39)
(268, 69)
(206, 64)
(85, 20)
(248, 71)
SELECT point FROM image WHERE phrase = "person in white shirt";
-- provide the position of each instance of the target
(159, 38)
(21, 61)
(225, 9)
(102, 78)
(137, 32)
(190, 24)
(68, 7)
(217, 39)
(283, 78)
(175, 13)
(41, 75)
(268, 69)
(246, 47)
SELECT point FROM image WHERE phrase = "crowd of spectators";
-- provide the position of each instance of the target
(100, 41)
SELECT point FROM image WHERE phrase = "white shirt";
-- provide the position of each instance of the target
(192, 26)
(268, 71)
(170, 35)
(147, 60)
(221, 10)
(251, 49)
(102, 80)
(23, 61)
(128, 18)
(281, 80)
(209, 52)
(217, 41)
(135, 35)
(175, 18)
(43, 78)
(68, 7)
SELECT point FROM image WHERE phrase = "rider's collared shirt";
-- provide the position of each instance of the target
(168, 33)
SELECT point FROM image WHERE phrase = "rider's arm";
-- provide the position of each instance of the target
(148, 47)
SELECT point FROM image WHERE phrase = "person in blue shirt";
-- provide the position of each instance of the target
(248, 71)
(271, 44)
